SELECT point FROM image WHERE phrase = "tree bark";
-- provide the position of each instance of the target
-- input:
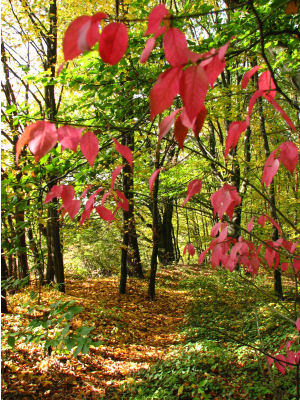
(165, 231)
(155, 229)
(55, 267)
(37, 257)
(133, 253)
(23, 269)
(4, 308)
(275, 235)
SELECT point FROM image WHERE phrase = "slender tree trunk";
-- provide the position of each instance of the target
(123, 277)
(128, 187)
(23, 269)
(165, 228)
(155, 230)
(37, 258)
(55, 266)
(275, 234)
(3, 278)
(55, 258)
(124, 250)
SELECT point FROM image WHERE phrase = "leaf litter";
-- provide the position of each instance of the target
(134, 331)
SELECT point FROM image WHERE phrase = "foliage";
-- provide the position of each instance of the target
(196, 90)
(52, 329)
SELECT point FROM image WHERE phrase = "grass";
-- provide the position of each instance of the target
(229, 316)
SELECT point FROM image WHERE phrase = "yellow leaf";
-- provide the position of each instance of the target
(180, 390)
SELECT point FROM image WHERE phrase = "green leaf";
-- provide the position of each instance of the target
(11, 341)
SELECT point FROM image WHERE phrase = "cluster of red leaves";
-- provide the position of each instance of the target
(83, 33)
(135, 333)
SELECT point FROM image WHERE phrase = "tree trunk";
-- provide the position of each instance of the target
(133, 252)
(23, 269)
(4, 309)
(165, 232)
(155, 229)
(37, 257)
(277, 274)
(55, 267)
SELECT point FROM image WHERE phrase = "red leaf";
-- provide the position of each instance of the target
(281, 364)
(252, 101)
(55, 191)
(89, 147)
(284, 266)
(85, 192)
(85, 215)
(105, 196)
(180, 132)
(194, 187)
(163, 92)
(194, 57)
(296, 265)
(91, 200)
(262, 220)
(213, 68)
(60, 68)
(149, 46)
(234, 132)
(270, 255)
(248, 75)
(175, 47)
(93, 34)
(69, 137)
(270, 168)
(186, 121)
(267, 84)
(289, 155)
(23, 140)
(215, 229)
(125, 152)
(155, 19)
(114, 175)
(113, 42)
(199, 122)
(222, 50)
(298, 324)
(224, 200)
(274, 223)
(193, 88)
(67, 195)
(282, 112)
(190, 249)
(152, 179)
(42, 138)
(250, 225)
(123, 200)
(105, 214)
(270, 360)
(73, 208)
(166, 124)
(75, 42)
(82, 34)
(202, 256)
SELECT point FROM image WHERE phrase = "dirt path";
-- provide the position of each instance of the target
(135, 333)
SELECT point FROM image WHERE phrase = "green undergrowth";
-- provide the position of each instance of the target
(230, 318)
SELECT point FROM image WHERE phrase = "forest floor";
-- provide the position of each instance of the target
(184, 345)
(135, 332)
